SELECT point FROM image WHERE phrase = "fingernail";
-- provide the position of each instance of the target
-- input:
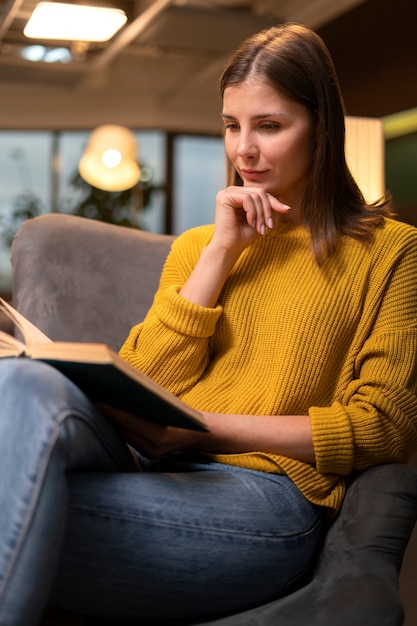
(270, 222)
(286, 207)
(263, 229)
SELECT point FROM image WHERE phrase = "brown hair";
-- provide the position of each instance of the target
(295, 61)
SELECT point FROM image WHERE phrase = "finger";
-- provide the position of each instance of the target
(267, 212)
(131, 437)
(249, 207)
(142, 443)
(277, 205)
(257, 204)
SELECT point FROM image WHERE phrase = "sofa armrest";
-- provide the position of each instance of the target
(356, 579)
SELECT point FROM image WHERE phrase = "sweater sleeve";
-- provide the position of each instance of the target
(171, 345)
(375, 419)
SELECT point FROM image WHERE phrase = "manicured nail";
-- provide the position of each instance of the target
(270, 222)
(263, 229)
(285, 206)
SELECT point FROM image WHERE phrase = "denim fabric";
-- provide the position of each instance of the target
(184, 539)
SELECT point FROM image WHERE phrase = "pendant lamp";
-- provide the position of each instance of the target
(110, 159)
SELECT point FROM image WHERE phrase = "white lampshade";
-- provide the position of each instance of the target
(365, 154)
(110, 159)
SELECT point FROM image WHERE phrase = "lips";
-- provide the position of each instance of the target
(252, 174)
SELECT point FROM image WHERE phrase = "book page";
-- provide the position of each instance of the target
(81, 352)
(10, 346)
(30, 332)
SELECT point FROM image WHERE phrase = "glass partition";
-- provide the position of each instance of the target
(25, 186)
(39, 174)
(199, 171)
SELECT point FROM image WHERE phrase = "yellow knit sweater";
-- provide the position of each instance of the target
(337, 342)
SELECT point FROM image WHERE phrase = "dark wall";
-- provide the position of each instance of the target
(401, 175)
(374, 48)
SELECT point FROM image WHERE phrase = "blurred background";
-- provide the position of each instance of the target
(157, 76)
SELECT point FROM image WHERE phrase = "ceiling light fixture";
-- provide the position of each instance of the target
(44, 54)
(72, 22)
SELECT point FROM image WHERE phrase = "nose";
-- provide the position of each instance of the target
(247, 147)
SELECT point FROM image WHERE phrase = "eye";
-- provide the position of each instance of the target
(231, 126)
(270, 126)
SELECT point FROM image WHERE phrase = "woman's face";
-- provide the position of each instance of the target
(269, 139)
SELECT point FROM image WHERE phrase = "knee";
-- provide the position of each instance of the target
(26, 385)
(23, 374)
(36, 401)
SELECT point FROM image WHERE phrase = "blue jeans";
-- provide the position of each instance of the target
(80, 527)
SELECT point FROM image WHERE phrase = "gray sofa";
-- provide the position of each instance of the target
(81, 280)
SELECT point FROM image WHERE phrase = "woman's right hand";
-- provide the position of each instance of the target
(242, 214)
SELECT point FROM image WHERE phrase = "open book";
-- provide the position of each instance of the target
(100, 372)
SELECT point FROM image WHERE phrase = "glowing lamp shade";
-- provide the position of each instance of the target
(110, 159)
(365, 154)
(60, 21)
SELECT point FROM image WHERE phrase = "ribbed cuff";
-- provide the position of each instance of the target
(332, 439)
(184, 316)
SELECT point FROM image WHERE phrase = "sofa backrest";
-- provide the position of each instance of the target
(82, 280)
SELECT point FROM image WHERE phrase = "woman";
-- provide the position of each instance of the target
(290, 324)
